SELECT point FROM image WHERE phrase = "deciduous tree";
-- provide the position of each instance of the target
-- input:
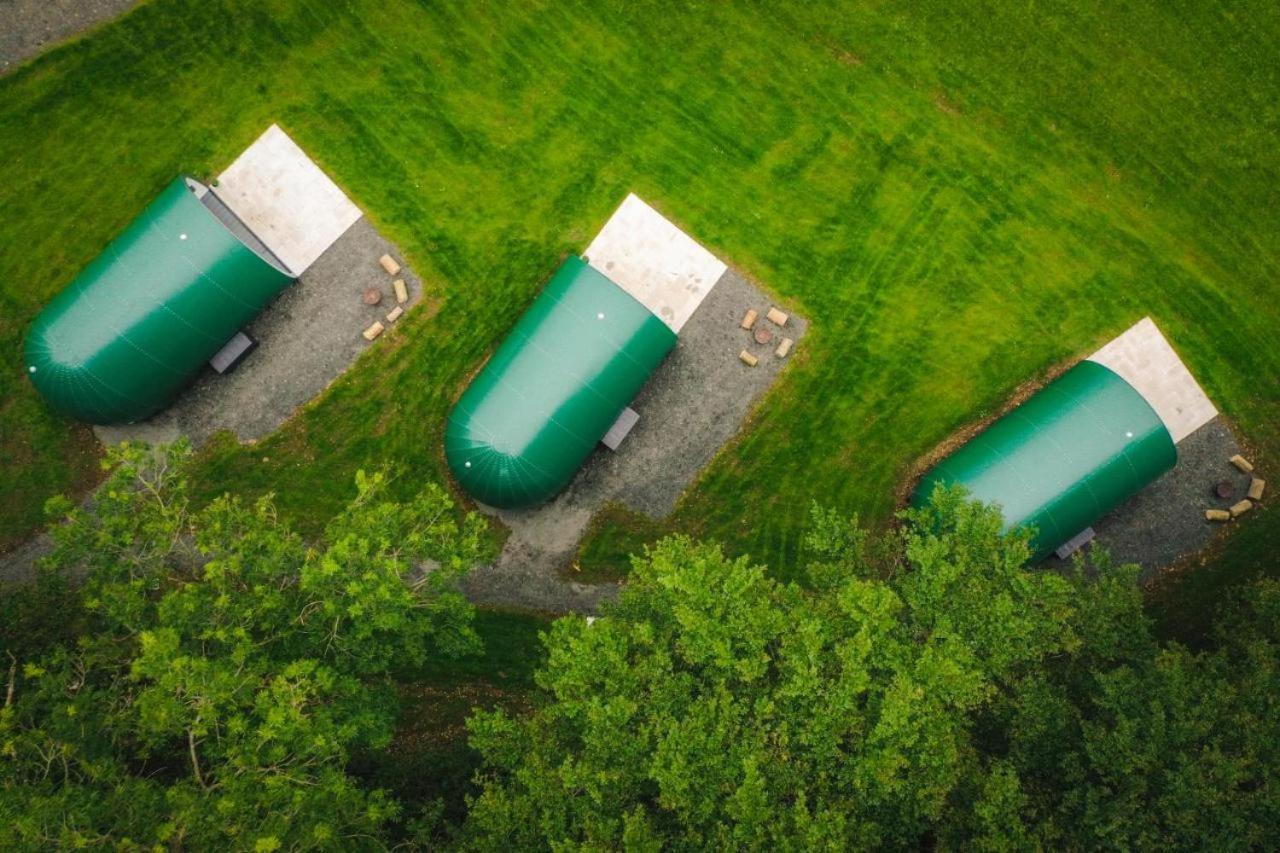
(226, 668)
(965, 702)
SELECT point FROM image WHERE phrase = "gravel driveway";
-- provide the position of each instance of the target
(29, 27)
(1165, 521)
(694, 403)
(307, 338)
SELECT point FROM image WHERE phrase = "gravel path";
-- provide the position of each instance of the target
(306, 339)
(1165, 521)
(29, 27)
(695, 401)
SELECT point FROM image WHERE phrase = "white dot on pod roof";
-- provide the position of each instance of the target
(182, 236)
(600, 316)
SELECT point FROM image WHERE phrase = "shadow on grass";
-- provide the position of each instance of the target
(429, 758)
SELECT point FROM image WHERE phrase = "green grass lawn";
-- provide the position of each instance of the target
(957, 195)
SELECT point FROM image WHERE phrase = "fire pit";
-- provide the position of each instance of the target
(372, 296)
(763, 335)
(1225, 490)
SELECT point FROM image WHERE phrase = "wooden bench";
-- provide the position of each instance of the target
(1075, 543)
(621, 428)
(232, 353)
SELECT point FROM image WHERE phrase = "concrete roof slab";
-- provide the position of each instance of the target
(650, 258)
(286, 200)
(1143, 358)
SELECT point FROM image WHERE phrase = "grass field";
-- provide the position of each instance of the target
(957, 195)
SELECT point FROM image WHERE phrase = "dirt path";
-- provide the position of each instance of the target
(30, 27)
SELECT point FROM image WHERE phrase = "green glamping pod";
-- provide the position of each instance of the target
(572, 363)
(1083, 445)
(137, 324)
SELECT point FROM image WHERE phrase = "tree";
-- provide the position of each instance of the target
(965, 701)
(227, 668)
(206, 683)
(714, 706)
(1134, 745)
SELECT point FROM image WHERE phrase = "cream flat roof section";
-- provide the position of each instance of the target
(650, 258)
(1143, 358)
(284, 198)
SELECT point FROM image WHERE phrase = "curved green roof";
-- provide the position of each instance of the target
(572, 363)
(1080, 447)
(137, 324)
